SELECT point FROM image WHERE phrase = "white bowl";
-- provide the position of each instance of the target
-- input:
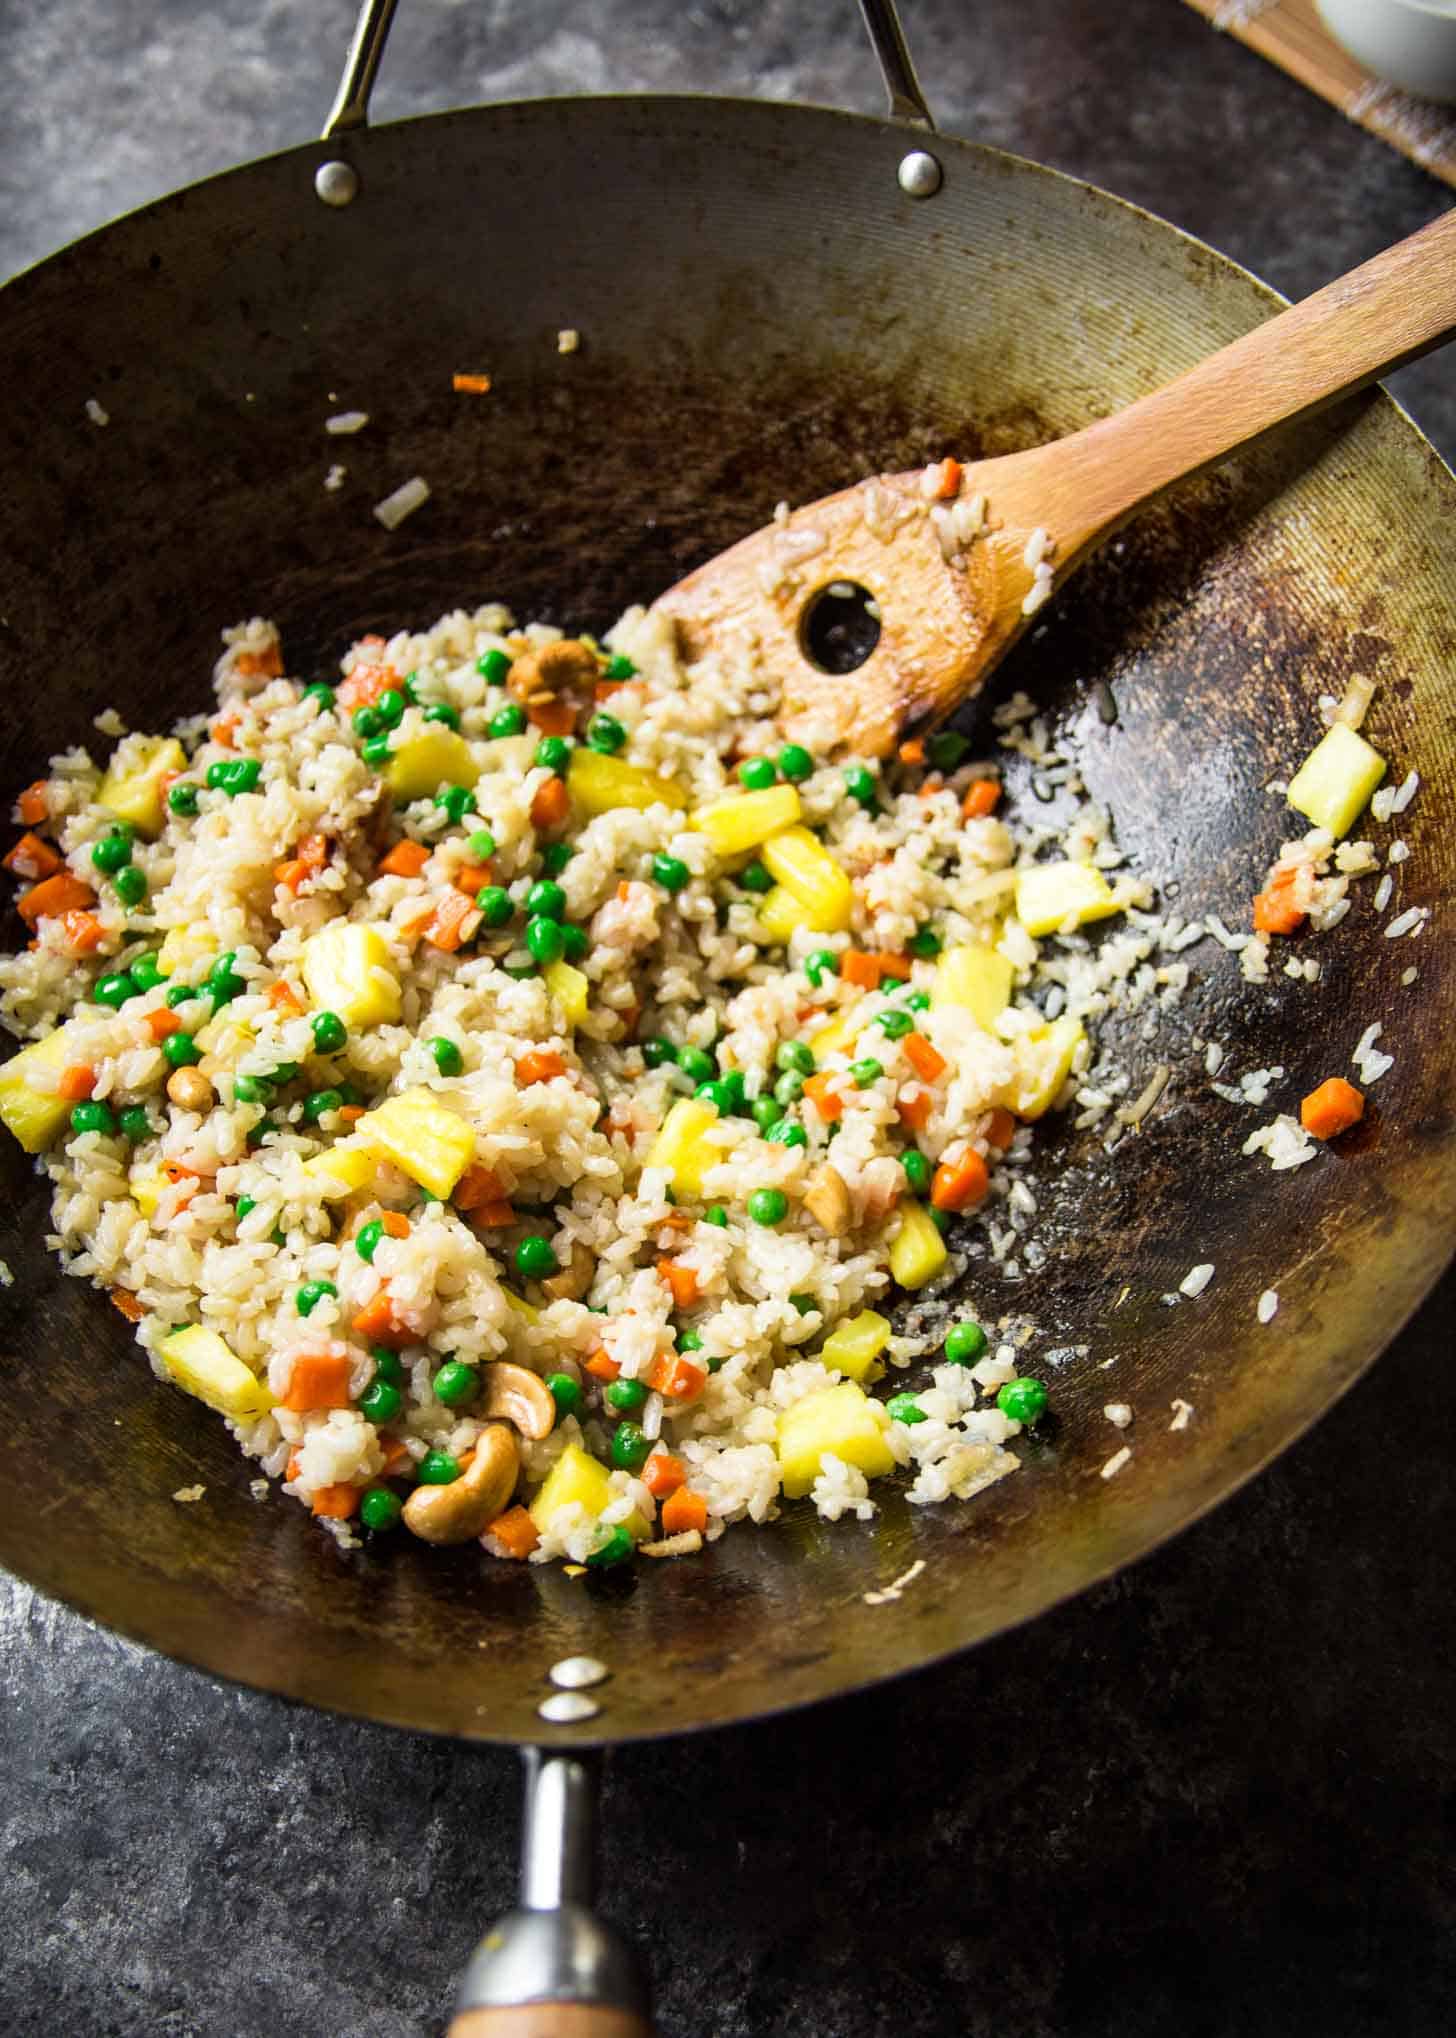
(1411, 43)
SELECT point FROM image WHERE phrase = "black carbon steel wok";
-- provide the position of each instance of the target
(765, 313)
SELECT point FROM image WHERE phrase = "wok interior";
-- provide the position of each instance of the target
(764, 316)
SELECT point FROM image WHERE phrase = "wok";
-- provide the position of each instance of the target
(767, 311)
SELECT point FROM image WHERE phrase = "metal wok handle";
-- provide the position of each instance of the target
(350, 109)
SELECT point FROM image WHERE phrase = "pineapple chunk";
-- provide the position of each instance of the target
(347, 969)
(569, 988)
(132, 787)
(840, 1419)
(1053, 895)
(201, 1364)
(680, 1147)
(841, 1033)
(743, 820)
(806, 870)
(975, 977)
(185, 949)
(1044, 1058)
(344, 1168)
(1332, 787)
(853, 1347)
(597, 784)
(780, 913)
(436, 757)
(34, 1116)
(146, 1193)
(917, 1251)
(527, 1311)
(574, 1478)
(423, 1136)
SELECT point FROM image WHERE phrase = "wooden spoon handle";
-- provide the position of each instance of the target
(1358, 328)
(549, 2020)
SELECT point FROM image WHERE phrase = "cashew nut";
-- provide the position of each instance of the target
(575, 1277)
(464, 1509)
(827, 1200)
(515, 1394)
(555, 668)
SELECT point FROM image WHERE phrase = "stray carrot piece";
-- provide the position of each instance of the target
(83, 931)
(77, 1082)
(351, 1113)
(33, 805)
(914, 1106)
(452, 922)
(683, 1282)
(538, 1065)
(624, 892)
(676, 1377)
(366, 683)
(494, 1216)
(479, 1184)
(310, 856)
(855, 967)
(912, 752)
(602, 1366)
(394, 1223)
(1000, 1129)
(59, 894)
(515, 1532)
(474, 877)
(605, 688)
(663, 1474)
(947, 480)
(406, 859)
(554, 717)
(470, 385)
(335, 1503)
(929, 1065)
(282, 995)
(376, 1322)
(291, 1472)
(825, 1099)
(1331, 1109)
(396, 1455)
(162, 1023)
(679, 1220)
(223, 729)
(981, 797)
(126, 1302)
(1274, 909)
(318, 1380)
(682, 1511)
(178, 1171)
(32, 858)
(959, 1185)
(265, 664)
(550, 804)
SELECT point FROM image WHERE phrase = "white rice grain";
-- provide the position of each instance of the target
(1267, 1305)
(402, 502)
(1196, 1280)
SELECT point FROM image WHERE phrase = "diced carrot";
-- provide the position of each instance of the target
(31, 858)
(683, 1281)
(282, 997)
(494, 1216)
(453, 921)
(33, 805)
(406, 859)
(336, 1503)
(162, 1023)
(980, 800)
(515, 1532)
(351, 1113)
(1331, 1109)
(912, 752)
(826, 1100)
(682, 1511)
(679, 1220)
(605, 688)
(470, 385)
(126, 1302)
(265, 664)
(554, 717)
(947, 480)
(479, 1184)
(663, 1474)
(602, 1366)
(396, 1454)
(178, 1171)
(223, 729)
(1000, 1129)
(292, 1468)
(855, 967)
(366, 683)
(474, 877)
(959, 1185)
(913, 1106)
(550, 804)
(59, 894)
(310, 856)
(394, 1223)
(318, 1380)
(1274, 909)
(83, 931)
(376, 1322)
(676, 1377)
(76, 1082)
(538, 1065)
(929, 1065)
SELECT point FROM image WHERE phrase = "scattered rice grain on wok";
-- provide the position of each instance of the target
(511, 1086)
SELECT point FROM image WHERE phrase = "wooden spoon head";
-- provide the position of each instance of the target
(950, 587)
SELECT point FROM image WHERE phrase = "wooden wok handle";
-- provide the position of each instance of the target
(550, 2020)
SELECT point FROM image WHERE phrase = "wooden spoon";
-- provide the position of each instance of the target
(954, 576)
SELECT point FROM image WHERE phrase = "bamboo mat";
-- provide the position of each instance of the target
(1290, 33)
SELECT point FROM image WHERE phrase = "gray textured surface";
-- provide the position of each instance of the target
(1215, 1796)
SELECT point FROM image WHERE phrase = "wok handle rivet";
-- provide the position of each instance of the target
(336, 183)
(919, 174)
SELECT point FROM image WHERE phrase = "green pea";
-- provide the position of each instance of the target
(381, 1402)
(946, 748)
(565, 1392)
(376, 751)
(630, 1448)
(182, 796)
(441, 711)
(181, 1050)
(111, 854)
(965, 1343)
(789, 1088)
(787, 1133)
(866, 1071)
(626, 1396)
(379, 1509)
(236, 775)
(805, 1304)
(437, 1468)
(547, 898)
(494, 667)
(258, 1133)
(509, 719)
(795, 1056)
(388, 1364)
(251, 1090)
(822, 963)
(917, 1169)
(715, 1214)
(131, 885)
(329, 1032)
(895, 1025)
(318, 1103)
(892, 984)
(859, 783)
(114, 990)
(925, 943)
(519, 970)
(905, 1408)
(390, 708)
(455, 800)
(795, 763)
(244, 1205)
(619, 667)
(455, 1384)
(92, 1118)
(480, 845)
(544, 940)
(670, 872)
(1022, 1400)
(766, 1111)
(495, 905)
(658, 1051)
(754, 878)
(918, 1001)
(321, 693)
(446, 1055)
(574, 941)
(768, 1206)
(223, 982)
(758, 773)
(695, 1064)
(733, 1082)
(311, 1294)
(940, 1219)
(689, 1341)
(145, 974)
(555, 856)
(368, 722)
(605, 734)
(535, 1258)
(717, 1094)
(181, 994)
(553, 753)
(367, 1237)
(618, 1547)
(134, 1122)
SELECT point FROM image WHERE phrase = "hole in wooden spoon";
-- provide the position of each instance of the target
(840, 627)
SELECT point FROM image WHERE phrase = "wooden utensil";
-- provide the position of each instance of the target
(950, 556)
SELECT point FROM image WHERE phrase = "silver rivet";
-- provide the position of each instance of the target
(919, 174)
(336, 183)
(575, 1673)
(566, 1708)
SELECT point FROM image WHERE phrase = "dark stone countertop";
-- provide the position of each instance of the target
(1213, 1796)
